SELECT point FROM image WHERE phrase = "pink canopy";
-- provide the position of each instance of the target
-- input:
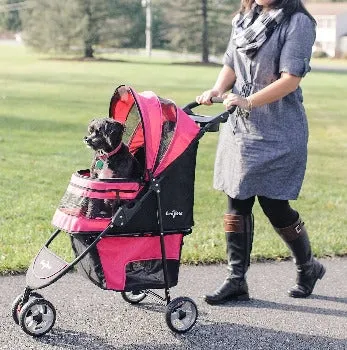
(156, 124)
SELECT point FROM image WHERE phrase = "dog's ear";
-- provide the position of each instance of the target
(113, 126)
(91, 125)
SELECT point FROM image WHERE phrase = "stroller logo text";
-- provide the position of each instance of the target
(173, 213)
(45, 265)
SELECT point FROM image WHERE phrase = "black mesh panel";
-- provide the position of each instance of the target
(90, 208)
(169, 113)
(90, 266)
(149, 274)
(132, 124)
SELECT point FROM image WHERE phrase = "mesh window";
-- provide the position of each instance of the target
(133, 122)
(169, 113)
(90, 208)
(149, 274)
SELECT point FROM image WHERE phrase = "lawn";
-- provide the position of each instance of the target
(45, 106)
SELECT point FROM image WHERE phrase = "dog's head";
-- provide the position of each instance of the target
(104, 134)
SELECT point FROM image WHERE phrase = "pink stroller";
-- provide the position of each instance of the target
(137, 223)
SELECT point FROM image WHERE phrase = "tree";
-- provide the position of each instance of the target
(62, 26)
(94, 15)
(52, 25)
(200, 25)
(125, 25)
(9, 17)
(204, 36)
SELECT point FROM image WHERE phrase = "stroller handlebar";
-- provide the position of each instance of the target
(210, 123)
(188, 108)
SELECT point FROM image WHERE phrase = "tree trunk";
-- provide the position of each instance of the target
(204, 38)
(88, 50)
(148, 6)
(88, 46)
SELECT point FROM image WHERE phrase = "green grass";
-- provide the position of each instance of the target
(45, 106)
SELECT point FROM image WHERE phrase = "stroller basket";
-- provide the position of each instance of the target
(129, 263)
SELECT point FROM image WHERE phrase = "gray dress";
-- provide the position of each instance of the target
(265, 153)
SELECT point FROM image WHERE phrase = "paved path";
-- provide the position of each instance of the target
(91, 318)
(333, 68)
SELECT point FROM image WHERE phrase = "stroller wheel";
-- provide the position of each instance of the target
(37, 317)
(17, 305)
(134, 297)
(181, 314)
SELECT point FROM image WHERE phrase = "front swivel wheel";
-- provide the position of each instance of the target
(18, 304)
(37, 317)
(181, 314)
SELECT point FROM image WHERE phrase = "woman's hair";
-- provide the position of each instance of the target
(289, 7)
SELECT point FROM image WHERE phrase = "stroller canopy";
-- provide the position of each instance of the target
(154, 125)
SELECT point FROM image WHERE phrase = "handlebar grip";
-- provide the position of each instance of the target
(217, 99)
(188, 108)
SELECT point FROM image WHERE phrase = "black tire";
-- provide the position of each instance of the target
(37, 317)
(181, 314)
(134, 297)
(17, 305)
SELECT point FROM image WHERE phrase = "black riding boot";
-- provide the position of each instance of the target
(239, 237)
(309, 270)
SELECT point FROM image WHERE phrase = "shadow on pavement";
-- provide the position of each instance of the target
(334, 299)
(211, 336)
(264, 304)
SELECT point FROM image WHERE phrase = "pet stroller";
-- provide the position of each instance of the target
(127, 234)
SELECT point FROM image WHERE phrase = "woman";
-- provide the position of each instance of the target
(262, 150)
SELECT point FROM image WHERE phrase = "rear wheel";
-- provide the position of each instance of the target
(134, 297)
(18, 304)
(181, 314)
(37, 317)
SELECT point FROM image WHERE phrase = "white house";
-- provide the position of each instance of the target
(331, 28)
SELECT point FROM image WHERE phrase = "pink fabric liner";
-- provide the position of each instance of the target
(116, 252)
(70, 223)
(100, 185)
(150, 108)
(110, 194)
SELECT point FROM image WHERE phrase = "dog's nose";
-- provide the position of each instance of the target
(86, 140)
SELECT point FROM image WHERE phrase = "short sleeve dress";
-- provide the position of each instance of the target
(265, 153)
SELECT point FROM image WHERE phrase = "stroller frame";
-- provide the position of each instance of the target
(181, 313)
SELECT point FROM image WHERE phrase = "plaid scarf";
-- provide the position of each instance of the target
(253, 28)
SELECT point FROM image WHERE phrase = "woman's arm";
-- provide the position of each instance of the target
(280, 88)
(225, 80)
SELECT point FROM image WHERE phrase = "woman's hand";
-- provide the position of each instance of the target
(205, 97)
(236, 100)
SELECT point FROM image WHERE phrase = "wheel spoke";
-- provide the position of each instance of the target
(36, 310)
(30, 322)
(48, 316)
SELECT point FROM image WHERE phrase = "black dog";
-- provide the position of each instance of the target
(112, 158)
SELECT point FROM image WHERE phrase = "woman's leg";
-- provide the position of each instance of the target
(287, 223)
(238, 224)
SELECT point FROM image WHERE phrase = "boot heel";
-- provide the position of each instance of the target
(242, 297)
(322, 272)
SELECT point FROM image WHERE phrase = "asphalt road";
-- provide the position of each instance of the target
(92, 318)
